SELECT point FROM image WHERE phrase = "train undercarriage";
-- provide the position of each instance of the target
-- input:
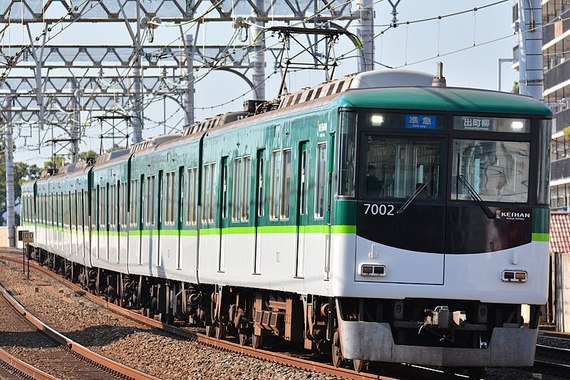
(320, 324)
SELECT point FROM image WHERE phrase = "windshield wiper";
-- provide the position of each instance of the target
(414, 196)
(486, 210)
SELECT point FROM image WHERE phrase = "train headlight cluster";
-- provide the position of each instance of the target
(514, 276)
(372, 270)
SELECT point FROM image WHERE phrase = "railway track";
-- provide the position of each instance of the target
(48, 352)
(392, 371)
(553, 360)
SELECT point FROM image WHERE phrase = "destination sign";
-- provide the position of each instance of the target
(421, 121)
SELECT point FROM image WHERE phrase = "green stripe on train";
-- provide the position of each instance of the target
(540, 237)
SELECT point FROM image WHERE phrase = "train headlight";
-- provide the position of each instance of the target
(377, 120)
(514, 276)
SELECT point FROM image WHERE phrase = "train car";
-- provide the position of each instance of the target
(376, 215)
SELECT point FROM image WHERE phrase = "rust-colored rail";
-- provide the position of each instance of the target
(24, 367)
(83, 352)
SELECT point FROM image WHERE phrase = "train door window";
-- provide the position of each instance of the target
(320, 180)
(74, 210)
(211, 193)
(150, 200)
(133, 209)
(123, 204)
(498, 171)
(260, 183)
(191, 196)
(304, 181)
(208, 192)
(180, 201)
(56, 210)
(275, 184)
(64, 214)
(169, 199)
(286, 185)
(347, 159)
(81, 211)
(224, 183)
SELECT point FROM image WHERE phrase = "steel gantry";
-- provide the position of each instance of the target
(46, 87)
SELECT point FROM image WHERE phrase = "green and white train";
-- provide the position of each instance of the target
(376, 215)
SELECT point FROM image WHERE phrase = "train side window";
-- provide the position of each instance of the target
(320, 180)
(347, 160)
(237, 199)
(286, 185)
(545, 135)
(113, 206)
(246, 190)
(275, 184)
(241, 188)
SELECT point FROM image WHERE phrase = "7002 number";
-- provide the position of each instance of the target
(378, 209)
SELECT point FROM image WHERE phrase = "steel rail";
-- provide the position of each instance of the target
(75, 347)
(24, 367)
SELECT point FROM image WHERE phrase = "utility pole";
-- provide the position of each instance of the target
(257, 31)
(74, 121)
(189, 93)
(366, 35)
(137, 81)
(11, 219)
(530, 48)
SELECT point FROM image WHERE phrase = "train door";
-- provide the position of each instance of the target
(401, 198)
(302, 208)
(258, 211)
(224, 218)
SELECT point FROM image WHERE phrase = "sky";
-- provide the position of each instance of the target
(469, 45)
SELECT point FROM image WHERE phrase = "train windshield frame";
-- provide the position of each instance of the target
(440, 156)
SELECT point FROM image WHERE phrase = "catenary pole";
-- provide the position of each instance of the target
(11, 218)
(530, 48)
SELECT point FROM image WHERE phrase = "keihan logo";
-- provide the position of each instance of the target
(512, 215)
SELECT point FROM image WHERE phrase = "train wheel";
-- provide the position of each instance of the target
(220, 331)
(359, 365)
(243, 339)
(256, 341)
(337, 358)
(210, 331)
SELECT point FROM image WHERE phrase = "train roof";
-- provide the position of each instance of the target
(464, 100)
